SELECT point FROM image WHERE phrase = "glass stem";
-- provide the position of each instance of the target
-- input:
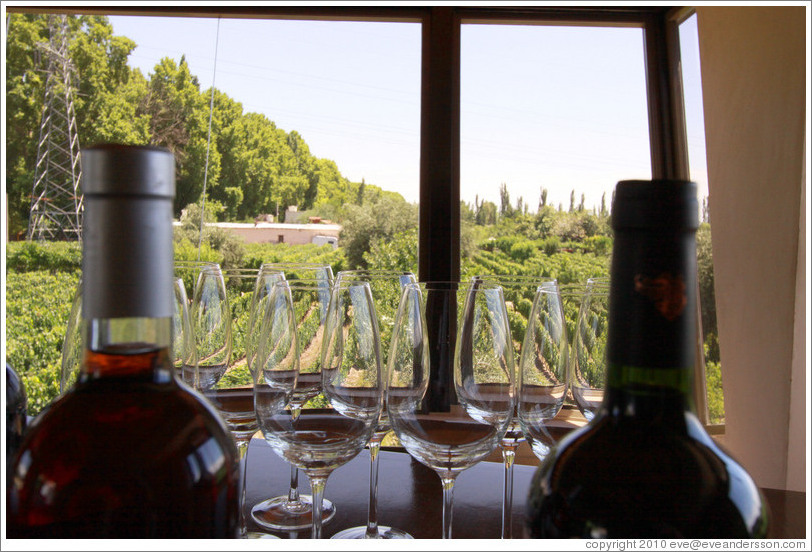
(242, 449)
(317, 484)
(293, 493)
(372, 516)
(448, 502)
(509, 457)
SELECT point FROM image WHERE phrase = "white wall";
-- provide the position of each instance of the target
(754, 94)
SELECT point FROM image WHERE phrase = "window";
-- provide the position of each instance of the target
(714, 406)
(551, 107)
(439, 149)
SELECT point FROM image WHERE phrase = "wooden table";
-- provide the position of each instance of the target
(410, 496)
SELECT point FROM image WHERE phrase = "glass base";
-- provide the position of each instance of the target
(257, 535)
(384, 532)
(278, 514)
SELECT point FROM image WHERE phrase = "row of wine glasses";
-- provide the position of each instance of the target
(231, 329)
(519, 293)
(340, 331)
(294, 511)
(309, 289)
(475, 323)
(492, 318)
(333, 329)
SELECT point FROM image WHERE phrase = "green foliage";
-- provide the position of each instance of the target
(38, 304)
(551, 245)
(27, 256)
(704, 267)
(229, 248)
(398, 252)
(381, 219)
(522, 250)
(251, 166)
(105, 99)
(713, 382)
(258, 253)
(599, 245)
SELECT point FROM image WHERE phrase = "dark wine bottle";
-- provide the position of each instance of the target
(645, 467)
(129, 451)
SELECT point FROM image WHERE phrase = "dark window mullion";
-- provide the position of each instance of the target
(439, 229)
(440, 147)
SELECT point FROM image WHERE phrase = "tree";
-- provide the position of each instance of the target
(572, 201)
(249, 166)
(705, 277)
(543, 199)
(486, 214)
(505, 209)
(107, 93)
(332, 188)
(178, 115)
(396, 252)
(360, 197)
(305, 166)
(544, 220)
(382, 219)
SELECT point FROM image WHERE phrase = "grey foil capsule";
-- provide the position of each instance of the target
(127, 255)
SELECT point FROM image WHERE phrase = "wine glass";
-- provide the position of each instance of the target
(293, 511)
(472, 335)
(519, 292)
(186, 274)
(588, 362)
(184, 352)
(218, 314)
(302, 271)
(260, 302)
(72, 345)
(346, 344)
(211, 327)
(182, 341)
(543, 368)
(386, 286)
(188, 271)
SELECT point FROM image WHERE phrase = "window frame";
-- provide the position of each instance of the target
(439, 219)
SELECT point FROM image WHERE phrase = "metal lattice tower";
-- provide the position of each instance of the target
(56, 200)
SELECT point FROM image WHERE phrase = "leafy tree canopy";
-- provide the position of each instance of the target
(249, 166)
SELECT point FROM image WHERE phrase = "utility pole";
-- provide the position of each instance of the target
(56, 199)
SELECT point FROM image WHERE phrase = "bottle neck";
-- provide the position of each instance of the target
(128, 347)
(652, 325)
(658, 395)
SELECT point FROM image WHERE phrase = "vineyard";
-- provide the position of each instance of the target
(42, 279)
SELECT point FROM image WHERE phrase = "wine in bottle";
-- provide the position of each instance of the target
(129, 451)
(645, 466)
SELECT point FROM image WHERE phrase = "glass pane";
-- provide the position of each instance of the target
(329, 132)
(552, 117)
(695, 128)
(313, 122)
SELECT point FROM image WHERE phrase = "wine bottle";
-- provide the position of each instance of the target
(129, 451)
(645, 466)
(16, 413)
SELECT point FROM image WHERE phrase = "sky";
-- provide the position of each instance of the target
(561, 108)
